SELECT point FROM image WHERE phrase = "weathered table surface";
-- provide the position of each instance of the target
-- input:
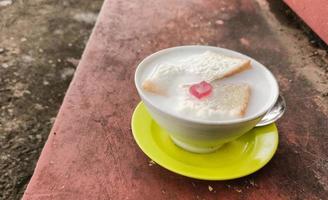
(314, 13)
(90, 152)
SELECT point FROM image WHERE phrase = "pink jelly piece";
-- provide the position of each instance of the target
(200, 90)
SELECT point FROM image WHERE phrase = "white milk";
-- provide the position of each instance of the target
(256, 78)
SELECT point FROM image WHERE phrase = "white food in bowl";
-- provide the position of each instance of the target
(204, 135)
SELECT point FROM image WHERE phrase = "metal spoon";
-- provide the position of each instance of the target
(275, 113)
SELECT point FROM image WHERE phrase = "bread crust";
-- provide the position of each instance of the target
(244, 66)
(150, 86)
(245, 102)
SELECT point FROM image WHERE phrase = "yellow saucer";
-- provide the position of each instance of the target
(239, 158)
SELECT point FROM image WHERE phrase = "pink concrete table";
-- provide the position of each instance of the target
(90, 152)
(314, 13)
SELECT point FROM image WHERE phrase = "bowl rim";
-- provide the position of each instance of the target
(263, 111)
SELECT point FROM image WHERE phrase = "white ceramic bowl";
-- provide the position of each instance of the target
(202, 136)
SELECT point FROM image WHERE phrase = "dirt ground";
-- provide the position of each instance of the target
(41, 42)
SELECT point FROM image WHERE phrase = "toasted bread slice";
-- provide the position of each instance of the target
(232, 99)
(229, 100)
(209, 66)
(160, 78)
